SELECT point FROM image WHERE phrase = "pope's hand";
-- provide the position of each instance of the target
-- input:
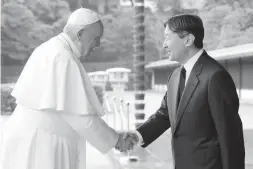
(126, 141)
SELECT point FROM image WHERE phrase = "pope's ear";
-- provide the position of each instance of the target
(80, 33)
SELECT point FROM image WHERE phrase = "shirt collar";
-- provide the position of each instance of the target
(72, 45)
(191, 62)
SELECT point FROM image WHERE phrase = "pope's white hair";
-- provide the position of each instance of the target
(72, 30)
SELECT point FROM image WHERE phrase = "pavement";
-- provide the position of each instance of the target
(158, 154)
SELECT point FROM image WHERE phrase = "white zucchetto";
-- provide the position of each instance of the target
(82, 17)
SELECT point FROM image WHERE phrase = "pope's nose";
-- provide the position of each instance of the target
(165, 46)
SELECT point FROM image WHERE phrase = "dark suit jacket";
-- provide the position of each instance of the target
(206, 129)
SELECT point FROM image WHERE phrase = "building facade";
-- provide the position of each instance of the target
(117, 77)
(99, 78)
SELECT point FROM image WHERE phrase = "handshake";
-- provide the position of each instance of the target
(127, 141)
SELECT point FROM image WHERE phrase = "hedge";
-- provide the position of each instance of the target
(8, 103)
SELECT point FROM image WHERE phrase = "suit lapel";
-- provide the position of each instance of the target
(172, 98)
(190, 87)
(189, 90)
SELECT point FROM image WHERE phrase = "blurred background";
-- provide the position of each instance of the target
(25, 24)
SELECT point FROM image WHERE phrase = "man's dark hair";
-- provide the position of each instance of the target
(185, 24)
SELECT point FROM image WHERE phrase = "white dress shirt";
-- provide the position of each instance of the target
(188, 67)
(190, 63)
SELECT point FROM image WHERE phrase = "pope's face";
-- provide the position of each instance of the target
(95, 42)
(92, 40)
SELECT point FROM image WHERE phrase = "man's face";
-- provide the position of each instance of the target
(174, 45)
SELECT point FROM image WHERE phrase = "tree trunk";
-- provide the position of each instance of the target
(139, 61)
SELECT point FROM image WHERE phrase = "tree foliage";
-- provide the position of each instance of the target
(28, 23)
(17, 24)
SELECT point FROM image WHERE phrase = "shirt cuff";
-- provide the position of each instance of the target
(140, 139)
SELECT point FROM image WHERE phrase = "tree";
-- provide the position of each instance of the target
(17, 22)
(236, 28)
(28, 23)
(212, 18)
(48, 11)
(154, 36)
(139, 61)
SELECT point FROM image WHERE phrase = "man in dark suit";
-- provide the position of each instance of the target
(200, 105)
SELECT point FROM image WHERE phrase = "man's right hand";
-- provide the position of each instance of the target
(127, 141)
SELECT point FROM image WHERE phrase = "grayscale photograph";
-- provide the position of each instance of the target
(126, 84)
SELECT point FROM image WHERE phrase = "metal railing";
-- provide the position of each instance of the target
(121, 117)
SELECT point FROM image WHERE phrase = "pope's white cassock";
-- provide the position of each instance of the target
(57, 111)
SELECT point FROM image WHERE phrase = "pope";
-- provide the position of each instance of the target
(57, 107)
